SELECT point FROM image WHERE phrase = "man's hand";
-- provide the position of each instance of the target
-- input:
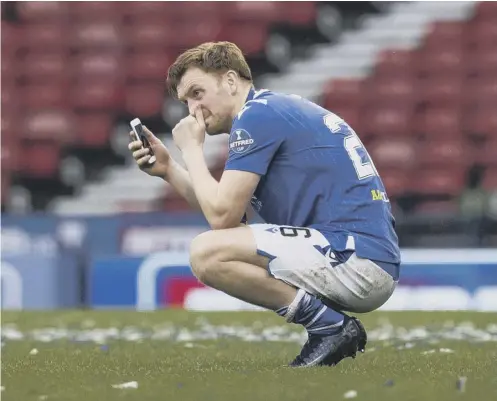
(190, 131)
(142, 155)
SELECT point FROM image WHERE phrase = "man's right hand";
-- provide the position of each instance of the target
(142, 155)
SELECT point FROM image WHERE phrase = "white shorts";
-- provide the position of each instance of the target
(355, 285)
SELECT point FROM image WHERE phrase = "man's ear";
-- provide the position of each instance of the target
(232, 80)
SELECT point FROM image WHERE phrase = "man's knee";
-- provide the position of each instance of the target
(210, 251)
(204, 254)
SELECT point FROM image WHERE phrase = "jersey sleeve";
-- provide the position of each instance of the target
(255, 138)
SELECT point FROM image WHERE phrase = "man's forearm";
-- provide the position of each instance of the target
(180, 180)
(204, 186)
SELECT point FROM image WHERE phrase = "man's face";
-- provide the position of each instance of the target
(212, 94)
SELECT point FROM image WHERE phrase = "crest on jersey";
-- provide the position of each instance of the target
(240, 141)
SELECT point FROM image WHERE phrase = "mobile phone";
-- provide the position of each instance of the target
(137, 127)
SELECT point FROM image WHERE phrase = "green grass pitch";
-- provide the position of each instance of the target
(180, 355)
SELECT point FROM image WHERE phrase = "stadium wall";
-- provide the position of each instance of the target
(140, 261)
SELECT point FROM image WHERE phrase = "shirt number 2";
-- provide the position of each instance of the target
(352, 144)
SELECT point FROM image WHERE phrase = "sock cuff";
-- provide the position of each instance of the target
(294, 306)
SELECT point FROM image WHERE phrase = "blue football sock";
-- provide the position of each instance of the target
(316, 317)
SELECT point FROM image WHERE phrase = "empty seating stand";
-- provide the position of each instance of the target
(429, 114)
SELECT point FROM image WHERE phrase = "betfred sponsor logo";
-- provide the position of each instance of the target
(240, 141)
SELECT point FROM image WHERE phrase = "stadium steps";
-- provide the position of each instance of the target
(129, 189)
(353, 56)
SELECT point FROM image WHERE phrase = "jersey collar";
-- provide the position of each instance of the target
(250, 95)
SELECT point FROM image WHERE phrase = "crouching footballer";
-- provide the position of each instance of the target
(328, 247)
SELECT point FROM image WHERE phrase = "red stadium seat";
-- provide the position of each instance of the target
(97, 36)
(481, 92)
(43, 11)
(12, 39)
(40, 159)
(483, 64)
(482, 35)
(254, 11)
(444, 153)
(52, 124)
(43, 96)
(94, 129)
(387, 121)
(195, 10)
(146, 9)
(148, 66)
(193, 33)
(10, 126)
(250, 37)
(144, 99)
(97, 10)
(297, 13)
(10, 150)
(391, 92)
(446, 181)
(394, 63)
(343, 92)
(490, 179)
(441, 91)
(444, 34)
(398, 154)
(486, 155)
(482, 122)
(350, 115)
(486, 10)
(441, 61)
(440, 122)
(46, 37)
(154, 36)
(397, 183)
(10, 69)
(98, 66)
(165, 11)
(96, 95)
(11, 98)
(49, 67)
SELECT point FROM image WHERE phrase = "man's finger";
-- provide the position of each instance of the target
(140, 153)
(135, 145)
(199, 116)
(143, 162)
(149, 135)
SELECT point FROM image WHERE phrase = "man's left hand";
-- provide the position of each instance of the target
(190, 131)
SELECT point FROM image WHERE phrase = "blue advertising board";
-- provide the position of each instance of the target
(443, 279)
(139, 260)
(34, 281)
(106, 235)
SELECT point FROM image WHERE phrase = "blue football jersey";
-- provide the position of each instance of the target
(315, 172)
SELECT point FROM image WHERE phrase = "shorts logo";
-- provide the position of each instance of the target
(256, 203)
(240, 141)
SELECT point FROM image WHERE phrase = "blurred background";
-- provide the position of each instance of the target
(416, 80)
